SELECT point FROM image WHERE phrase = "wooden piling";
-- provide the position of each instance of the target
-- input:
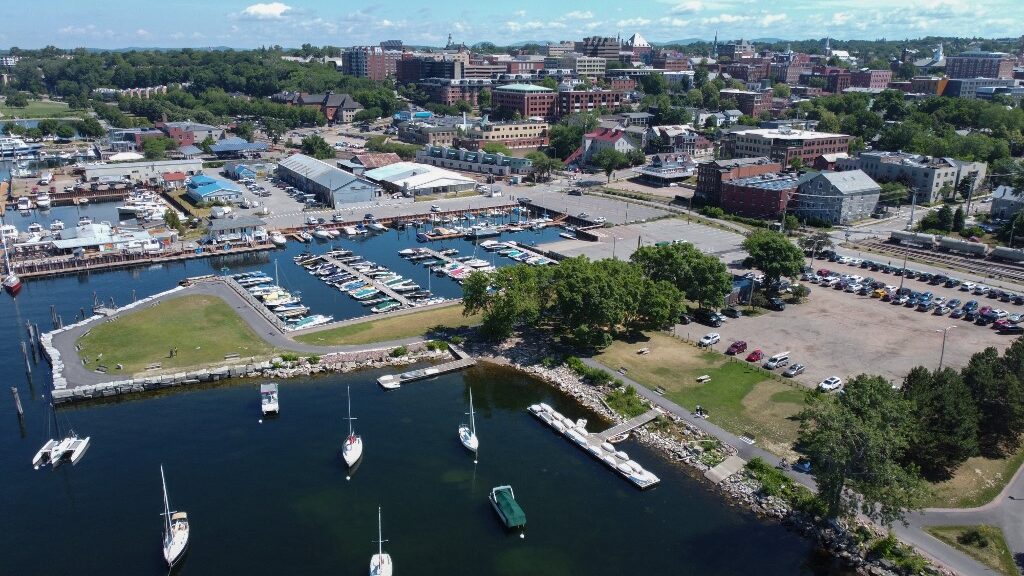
(17, 401)
(24, 354)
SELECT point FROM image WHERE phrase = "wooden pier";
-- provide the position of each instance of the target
(461, 362)
(628, 425)
(378, 285)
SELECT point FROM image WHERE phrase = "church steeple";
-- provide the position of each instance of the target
(714, 47)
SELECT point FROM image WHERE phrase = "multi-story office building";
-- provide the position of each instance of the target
(711, 175)
(925, 175)
(784, 144)
(980, 64)
(529, 100)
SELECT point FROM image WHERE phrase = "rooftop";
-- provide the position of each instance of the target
(780, 181)
(784, 133)
(846, 182)
(320, 172)
(412, 175)
(218, 224)
(523, 88)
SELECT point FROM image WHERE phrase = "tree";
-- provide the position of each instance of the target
(958, 219)
(156, 148)
(17, 100)
(700, 76)
(543, 165)
(367, 115)
(484, 99)
(816, 242)
(496, 148)
(946, 421)
(780, 90)
(171, 219)
(653, 84)
(550, 83)
(65, 131)
(773, 254)
(892, 193)
(315, 146)
(859, 440)
(797, 163)
(944, 218)
(274, 128)
(790, 223)
(702, 278)
(997, 391)
(636, 157)
(609, 160)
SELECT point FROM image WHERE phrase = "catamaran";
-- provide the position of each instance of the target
(352, 451)
(268, 398)
(175, 529)
(380, 563)
(467, 434)
(53, 452)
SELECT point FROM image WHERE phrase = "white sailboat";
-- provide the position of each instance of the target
(11, 282)
(53, 452)
(380, 563)
(352, 451)
(467, 434)
(175, 529)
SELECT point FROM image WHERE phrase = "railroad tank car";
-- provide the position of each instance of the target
(925, 240)
(963, 246)
(1008, 254)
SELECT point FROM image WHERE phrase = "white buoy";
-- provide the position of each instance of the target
(348, 477)
(522, 535)
(260, 420)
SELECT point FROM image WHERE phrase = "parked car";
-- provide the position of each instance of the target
(942, 310)
(685, 318)
(731, 312)
(435, 208)
(600, 220)
(831, 383)
(953, 303)
(803, 466)
(777, 361)
(1001, 323)
(708, 317)
(794, 370)
(1012, 329)
(755, 356)
(736, 348)
(952, 283)
(968, 286)
(971, 305)
(957, 313)
(777, 304)
(710, 339)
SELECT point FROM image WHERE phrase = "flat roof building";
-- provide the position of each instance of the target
(202, 188)
(529, 100)
(784, 144)
(762, 196)
(147, 172)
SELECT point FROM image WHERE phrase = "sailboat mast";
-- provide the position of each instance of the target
(276, 281)
(349, 410)
(380, 538)
(167, 505)
(472, 418)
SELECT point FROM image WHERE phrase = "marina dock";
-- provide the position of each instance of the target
(597, 445)
(372, 282)
(461, 362)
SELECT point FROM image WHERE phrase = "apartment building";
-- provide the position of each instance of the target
(529, 100)
(575, 101)
(925, 175)
(449, 91)
(871, 78)
(711, 175)
(529, 134)
(980, 64)
(748, 102)
(783, 144)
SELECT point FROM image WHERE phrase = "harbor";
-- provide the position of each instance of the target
(461, 362)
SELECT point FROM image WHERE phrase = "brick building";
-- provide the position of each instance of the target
(411, 70)
(603, 47)
(529, 100)
(711, 175)
(371, 62)
(671, 61)
(980, 64)
(748, 102)
(783, 144)
(871, 78)
(449, 91)
(574, 101)
(512, 134)
(749, 70)
(762, 196)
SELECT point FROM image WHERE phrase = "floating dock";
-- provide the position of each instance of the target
(372, 282)
(461, 362)
(597, 445)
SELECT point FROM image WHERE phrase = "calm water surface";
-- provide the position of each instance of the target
(272, 497)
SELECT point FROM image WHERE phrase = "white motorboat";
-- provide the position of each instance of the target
(9, 232)
(321, 234)
(268, 398)
(56, 226)
(352, 451)
(278, 239)
(34, 228)
(380, 563)
(84, 220)
(377, 226)
(175, 529)
(467, 434)
(43, 201)
(24, 204)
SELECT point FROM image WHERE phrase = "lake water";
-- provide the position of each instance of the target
(272, 497)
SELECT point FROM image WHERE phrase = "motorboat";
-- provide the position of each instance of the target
(467, 433)
(176, 529)
(43, 201)
(84, 221)
(56, 226)
(305, 237)
(321, 234)
(310, 321)
(385, 307)
(503, 499)
(352, 451)
(278, 239)
(24, 204)
(380, 563)
(268, 398)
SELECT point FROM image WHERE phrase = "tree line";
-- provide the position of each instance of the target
(589, 302)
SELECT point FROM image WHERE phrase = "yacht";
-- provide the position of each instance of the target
(56, 226)
(352, 451)
(175, 529)
(84, 220)
(268, 398)
(467, 434)
(377, 226)
(14, 147)
(24, 204)
(278, 239)
(43, 201)
(9, 232)
(380, 563)
(35, 228)
(321, 234)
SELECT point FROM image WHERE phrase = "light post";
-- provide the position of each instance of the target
(904, 273)
(942, 354)
(614, 241)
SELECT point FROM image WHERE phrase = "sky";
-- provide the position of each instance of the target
(291, 23)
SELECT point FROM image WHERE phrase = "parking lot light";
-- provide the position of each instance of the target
(942, 354)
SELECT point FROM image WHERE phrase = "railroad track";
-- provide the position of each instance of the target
(980, 266)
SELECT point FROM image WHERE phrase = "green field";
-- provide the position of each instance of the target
(739, 397)
(994, 553)
(393, 328)
(40, 109)
(977, 481)
(203, 328)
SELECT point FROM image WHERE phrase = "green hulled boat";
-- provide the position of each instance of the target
(504, 501)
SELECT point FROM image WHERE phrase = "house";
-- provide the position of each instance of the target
(666, 170)
(602, 138)
(245, 229)
(828, 161)
(202, 188)
(340, 107)
(186, 133)
(173, 180)
(332, 186)
(682, 139)
(835, 197)
(1006, 202)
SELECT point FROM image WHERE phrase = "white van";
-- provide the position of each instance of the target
(780, 359)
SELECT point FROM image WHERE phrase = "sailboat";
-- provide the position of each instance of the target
(467, 434)
(380, 563)
(11, 282)
(54, 452)
(352, 451)
(175, 529)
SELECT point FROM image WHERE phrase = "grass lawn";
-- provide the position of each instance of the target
(203, 328)
(40, 109)
(995, 553)
(739, 397)
(977, 481)
(393, 328)
(191, 208)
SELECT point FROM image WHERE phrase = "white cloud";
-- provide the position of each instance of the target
(520, 13)
(142, 33)
(769, 19)
(687, 7)
(726, 19)
(631, 22)
(579, 15)
(674, 22)
(532, 25)
(841, 18)
(270, 10)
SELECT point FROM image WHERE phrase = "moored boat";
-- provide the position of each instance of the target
(268, 398)
(503, 499)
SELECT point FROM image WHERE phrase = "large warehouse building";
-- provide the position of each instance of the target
(332, 186)
(413, 179)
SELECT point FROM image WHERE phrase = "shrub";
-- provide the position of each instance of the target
(314, 359)
(974, 538)
(595, 376)
(892, 550)
(712, 212)
(399, 352)
(289, 357)
(626, 402)
(457, 340)
(437, 345)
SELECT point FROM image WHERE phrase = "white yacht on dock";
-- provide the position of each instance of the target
(467, 434)
(43, 201)
(278, 239)
(24, 204)
(176, 529)
(268, 398)
(56, 225)
(352, 451)
(380, 563)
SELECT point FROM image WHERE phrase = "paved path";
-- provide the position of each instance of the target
(924, 542)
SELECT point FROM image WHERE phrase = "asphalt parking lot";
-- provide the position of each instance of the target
(614, 211)
(622, 241)
(835, 333)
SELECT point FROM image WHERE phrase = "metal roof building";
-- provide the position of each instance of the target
(332, 186)
(202, 188)
(411, 178)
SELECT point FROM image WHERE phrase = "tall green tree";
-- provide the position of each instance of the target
(858, 440)
(946, 429)
(958, 219)
(609, 160)
(773, 254)
(996, 389)
(945, 217)
(315, 146)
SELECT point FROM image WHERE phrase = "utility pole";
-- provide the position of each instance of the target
(942, 354)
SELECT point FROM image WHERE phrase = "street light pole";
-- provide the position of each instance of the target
(942, 354)
(904, 273)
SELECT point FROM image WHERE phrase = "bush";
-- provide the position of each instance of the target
(437, 345)
(626, 402)
(289, 357)
(799, 293)
(892, 550)
(595, 376)
(712, 212)
(973, 538)
(399, 352)
(457, 340)
(314, 359)
(969, 231)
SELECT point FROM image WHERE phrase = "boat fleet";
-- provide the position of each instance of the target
(365, 281)
(281, 303)
(605, 452)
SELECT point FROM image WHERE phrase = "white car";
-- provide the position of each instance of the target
(710, 339)
(981, 289)
(600, 220)
(831, 383)
(968, 286)
(853, 287)
(1000, 313)
(939, 300)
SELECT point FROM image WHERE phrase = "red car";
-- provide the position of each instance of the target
(822, 272)
(1001, 324)
(755, 356)
(736, 348)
